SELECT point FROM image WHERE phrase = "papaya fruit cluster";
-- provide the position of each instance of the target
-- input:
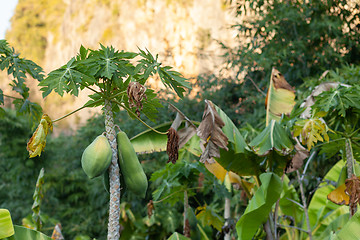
(97, 156)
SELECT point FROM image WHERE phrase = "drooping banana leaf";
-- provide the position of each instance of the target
(149, 141)
(259, 206)
(6, 225)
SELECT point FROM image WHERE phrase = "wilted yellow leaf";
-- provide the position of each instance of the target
(339, 196)
(37, 142)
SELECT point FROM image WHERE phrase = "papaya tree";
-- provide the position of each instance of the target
(117, 80)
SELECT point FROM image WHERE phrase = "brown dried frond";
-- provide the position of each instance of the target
(172, 147)
(136, 94)
(353, 191)
(150, 208)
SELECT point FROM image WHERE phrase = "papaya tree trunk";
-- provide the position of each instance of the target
(350, 168)
(114, 175)
(227, 217)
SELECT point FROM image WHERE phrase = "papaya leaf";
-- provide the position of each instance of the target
(22, 233)
(280, 97)
(311, 131)
(207, 215)
(210, 131)
(339, 99)
(351, 230)
(65, 79)
(6, 225)
(310, 100)
(257, 212)
(272, 138)
(178, 236)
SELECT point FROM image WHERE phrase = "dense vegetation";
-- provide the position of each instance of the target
(297, 41)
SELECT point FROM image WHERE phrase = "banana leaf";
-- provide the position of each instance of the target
(6, 225)
(259, 206)
(351, 230)
(177, 236)
(22, 233)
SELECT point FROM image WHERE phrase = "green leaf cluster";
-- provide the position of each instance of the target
(18, 67)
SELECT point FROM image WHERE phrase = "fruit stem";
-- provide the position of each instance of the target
(136, 116)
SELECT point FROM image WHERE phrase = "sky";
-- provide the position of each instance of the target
(6, 11)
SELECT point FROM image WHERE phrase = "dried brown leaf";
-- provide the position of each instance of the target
(172, 147)
(210, 131)
(136, 94)
(298, 159)
(353, 191)
(150, 208)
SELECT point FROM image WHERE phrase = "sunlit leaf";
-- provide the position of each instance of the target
(22, 233)
(339, 196)
(280, 98)
(6, 225)
(311, 131)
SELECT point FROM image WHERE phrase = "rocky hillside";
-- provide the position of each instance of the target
(182, 32)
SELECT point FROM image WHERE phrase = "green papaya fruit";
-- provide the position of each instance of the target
(96, 158)
(131, 169)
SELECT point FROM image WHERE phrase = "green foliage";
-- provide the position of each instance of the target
(209, 215)
(300, 39)
(112, 71)
(18, 67)
(340, 100)
(351, 229)
(26, 233)
(259, 206)
(38, 196)
(6, 225)
(177, 236)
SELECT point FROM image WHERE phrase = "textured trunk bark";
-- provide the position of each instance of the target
(114, 175)
(350, 165)
(227, 216)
